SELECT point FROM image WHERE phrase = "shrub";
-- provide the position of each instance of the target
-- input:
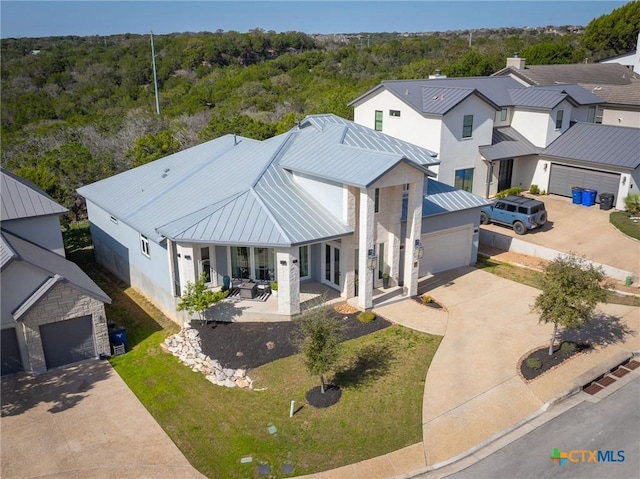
(515, 190)
(534, 189)
(632, 203)
(366, 317)
(533, 363)
(568, 347)
(543, 192)
(274, 286)
(426, 298)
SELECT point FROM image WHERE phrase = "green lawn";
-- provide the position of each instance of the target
(622, 220)
(382, 377)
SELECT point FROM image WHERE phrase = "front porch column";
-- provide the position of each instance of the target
(287, 264)
(365, 243)
(414, 227)
(348, 245)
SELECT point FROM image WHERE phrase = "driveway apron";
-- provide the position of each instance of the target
(82, 421)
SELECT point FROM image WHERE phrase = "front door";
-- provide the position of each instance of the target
(504, 174)
(331, 265)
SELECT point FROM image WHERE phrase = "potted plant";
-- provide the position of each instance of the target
(274, 289)
(385, 280)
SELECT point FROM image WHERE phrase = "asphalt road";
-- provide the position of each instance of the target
(612, 424)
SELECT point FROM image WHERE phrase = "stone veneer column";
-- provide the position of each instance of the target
(348, 243)
(414, 227)
(288, 280)
(60, 303)
(365, 243)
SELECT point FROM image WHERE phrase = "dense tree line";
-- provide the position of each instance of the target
(77, 109)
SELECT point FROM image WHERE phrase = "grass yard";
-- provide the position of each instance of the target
(382, 378)
(622, 220)
(532, 278)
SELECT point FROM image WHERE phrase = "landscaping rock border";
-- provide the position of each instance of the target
(186, 346)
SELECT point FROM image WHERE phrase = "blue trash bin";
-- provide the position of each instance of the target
(118, 335)
(589, 197)
(576, 195)
(226, 282)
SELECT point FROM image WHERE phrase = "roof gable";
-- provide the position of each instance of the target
(20, 198)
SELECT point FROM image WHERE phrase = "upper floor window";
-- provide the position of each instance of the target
(394, 113)
(503, 114)
(464, 179)
(599, 115)
(378, 126)
(591, 115)
(559, 117)
(144, 245)
(376, 201)
(467, 126)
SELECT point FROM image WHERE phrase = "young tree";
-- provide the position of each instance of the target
(197, 298)
(571, 289)
(321, 334)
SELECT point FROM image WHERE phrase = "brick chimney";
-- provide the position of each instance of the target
(516, 62)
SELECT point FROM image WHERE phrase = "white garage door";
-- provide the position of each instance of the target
(446, 249)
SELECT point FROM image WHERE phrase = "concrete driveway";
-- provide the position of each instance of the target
(82, 421)
(581, 229)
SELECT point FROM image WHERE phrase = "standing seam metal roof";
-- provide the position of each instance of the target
(22, 199)
(507, 142)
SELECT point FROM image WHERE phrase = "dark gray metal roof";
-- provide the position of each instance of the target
(506, 142)
(52, 264)
(6, 252)
(438, 100)
(615, 146)
(596, 73)
(442, 198)
(579, 94)
(536, 97)
(22, 199)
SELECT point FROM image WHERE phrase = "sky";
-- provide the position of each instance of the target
(25, 18)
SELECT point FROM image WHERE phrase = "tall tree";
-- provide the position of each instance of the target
(615, 33)
(571, 289)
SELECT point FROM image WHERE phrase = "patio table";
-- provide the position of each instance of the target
(247, 290)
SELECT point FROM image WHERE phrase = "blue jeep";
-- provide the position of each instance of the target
(519, 212)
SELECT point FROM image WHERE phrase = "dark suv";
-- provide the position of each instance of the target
(517, 211)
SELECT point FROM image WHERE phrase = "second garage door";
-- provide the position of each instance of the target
(564, 177)
(68, 341)
(446, 249)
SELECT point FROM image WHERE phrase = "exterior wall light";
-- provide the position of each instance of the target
(372, 260)
(418, 253)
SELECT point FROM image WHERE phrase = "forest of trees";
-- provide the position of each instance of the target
(78, 109)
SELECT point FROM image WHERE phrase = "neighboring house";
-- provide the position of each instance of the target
(52, 312)
(318, 203)
(488, 131)
(630, 59)
(616, 84)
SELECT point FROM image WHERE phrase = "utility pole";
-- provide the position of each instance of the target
(155, 77)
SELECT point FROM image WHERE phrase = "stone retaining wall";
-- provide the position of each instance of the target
(186, 346)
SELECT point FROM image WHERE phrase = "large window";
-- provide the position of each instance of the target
(264, 264)
(464, 179)
(467, 126)
(378, 125)
(503, 114)
(591, 115)
(559, 117)
(599, 115)
(144, 245)
(376, 201)
(240, 266)
(205, 263)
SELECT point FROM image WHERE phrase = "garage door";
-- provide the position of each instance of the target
(11, 361)
(446, 249)
(67, 341)
(564, 177)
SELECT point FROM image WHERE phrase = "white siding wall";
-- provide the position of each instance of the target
(533, 125)
(621, 118)
(328, 193)
(552, 132)
(460, 153)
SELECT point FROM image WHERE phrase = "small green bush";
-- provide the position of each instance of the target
(632, 203)
(543, 192)
(274, 286)
(568, 347)
(533, 363)
(366, 317)
(515, 190)
(534, 189)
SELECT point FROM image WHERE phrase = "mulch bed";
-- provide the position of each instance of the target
(548, 362)
(316, 398)
(247, 345)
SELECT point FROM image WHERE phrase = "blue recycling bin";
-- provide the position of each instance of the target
(226, 282)
(576, 195)
(588, 197)
(118, 335)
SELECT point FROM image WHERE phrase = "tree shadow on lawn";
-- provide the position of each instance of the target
(601, 330)
(371, 362)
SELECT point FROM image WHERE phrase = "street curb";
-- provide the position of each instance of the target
(575, 388)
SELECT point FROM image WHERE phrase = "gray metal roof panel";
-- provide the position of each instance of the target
(598, 144)
(506, 142)
(442, 198)
(54, 264)
(578, 93)
(536, 97)
(438, 100)
(20, 198)
(6, 252)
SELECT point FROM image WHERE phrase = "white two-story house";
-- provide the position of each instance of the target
(491, 133)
